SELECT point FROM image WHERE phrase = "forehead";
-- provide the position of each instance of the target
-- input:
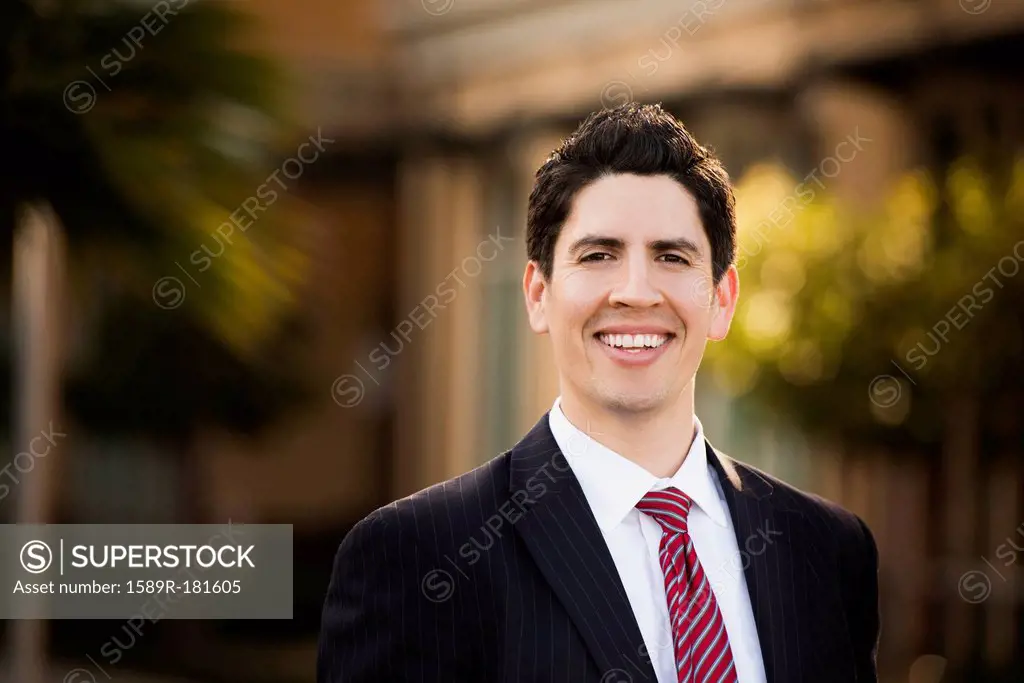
(635, 209)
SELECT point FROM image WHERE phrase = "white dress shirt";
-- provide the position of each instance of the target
(613, 485)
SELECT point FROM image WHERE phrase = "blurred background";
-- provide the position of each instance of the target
(264, 260)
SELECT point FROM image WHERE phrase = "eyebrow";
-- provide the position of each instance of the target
(679, 243)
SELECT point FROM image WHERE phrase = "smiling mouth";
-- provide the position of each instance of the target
(634, 342)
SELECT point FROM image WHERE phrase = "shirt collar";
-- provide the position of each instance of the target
(613, 484)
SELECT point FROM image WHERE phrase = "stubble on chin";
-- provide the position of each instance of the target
(630, 404)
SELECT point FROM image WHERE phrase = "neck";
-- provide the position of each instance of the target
(657, 440)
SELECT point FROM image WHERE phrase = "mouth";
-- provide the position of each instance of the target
(635, 348)
(634, 342)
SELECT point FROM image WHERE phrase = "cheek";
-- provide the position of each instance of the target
(691, 298)
(581, 285)
(580, 297)
(571, 325)
(697, 292)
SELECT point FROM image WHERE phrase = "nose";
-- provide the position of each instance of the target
(635, 289)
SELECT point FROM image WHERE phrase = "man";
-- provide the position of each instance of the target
(613, 544)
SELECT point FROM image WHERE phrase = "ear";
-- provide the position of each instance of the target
(534, 290)
(723, 304)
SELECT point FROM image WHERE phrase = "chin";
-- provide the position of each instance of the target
(637, 400)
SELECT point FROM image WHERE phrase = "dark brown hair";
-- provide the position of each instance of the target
(642, 139)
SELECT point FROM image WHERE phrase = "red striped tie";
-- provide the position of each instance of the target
(702, 647)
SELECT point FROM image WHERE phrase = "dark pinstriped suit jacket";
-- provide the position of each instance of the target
(502, 574)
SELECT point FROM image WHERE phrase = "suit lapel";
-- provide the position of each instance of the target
(562, 535)
(780, 573)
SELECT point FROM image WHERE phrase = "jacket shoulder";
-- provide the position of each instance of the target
(432, 512)
(818, 510)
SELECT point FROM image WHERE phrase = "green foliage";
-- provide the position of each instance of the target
(836, 297)
(145, 133)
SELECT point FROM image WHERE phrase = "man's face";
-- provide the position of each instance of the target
(630, 303)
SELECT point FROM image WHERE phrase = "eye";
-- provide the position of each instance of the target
(676, 258)
(596, 256)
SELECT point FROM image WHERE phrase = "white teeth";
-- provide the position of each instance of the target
(634, 341)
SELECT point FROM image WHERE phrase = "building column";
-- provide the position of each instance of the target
(38, 290)
(540, 375)
(439, 302)
(1003, 501)
(864, 137)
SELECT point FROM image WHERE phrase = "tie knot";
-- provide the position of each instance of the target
(669, 507)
